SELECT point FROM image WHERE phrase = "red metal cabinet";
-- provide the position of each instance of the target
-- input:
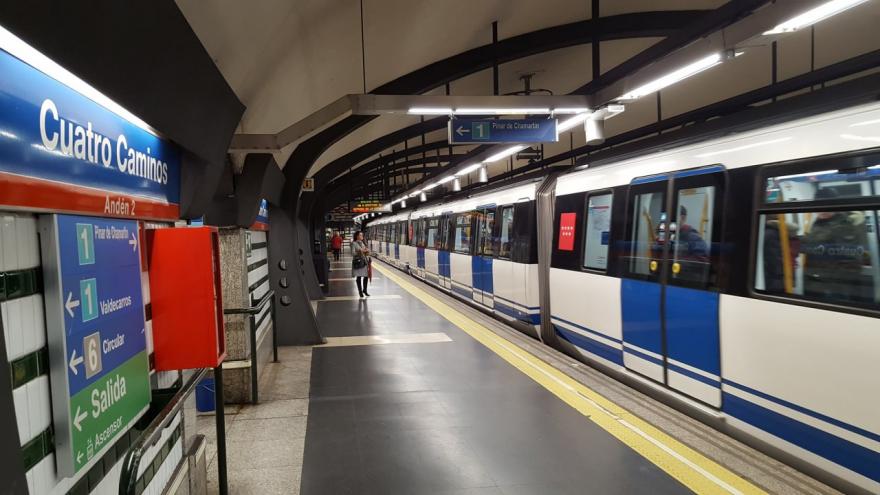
(186, 299)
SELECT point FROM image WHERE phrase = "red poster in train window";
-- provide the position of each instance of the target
(566, 231)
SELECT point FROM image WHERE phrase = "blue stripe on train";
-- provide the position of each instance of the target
(843, 452)
(531, 318)
(600, 349)
(804, 410)
(695, 376)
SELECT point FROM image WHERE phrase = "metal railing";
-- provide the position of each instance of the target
(252, 313)
(153, 433)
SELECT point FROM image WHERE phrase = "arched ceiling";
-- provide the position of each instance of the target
(287, 59)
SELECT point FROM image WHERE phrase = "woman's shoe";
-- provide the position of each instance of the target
(362, 294)
(366, 293)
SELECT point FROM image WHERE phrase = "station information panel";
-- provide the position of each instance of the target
(96, 333)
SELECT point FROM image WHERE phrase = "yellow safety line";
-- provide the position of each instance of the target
(692, 469)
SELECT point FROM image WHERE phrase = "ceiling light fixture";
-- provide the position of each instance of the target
(572, 122)
(504, 154)
(430, 186)
(446, 179)
(571, 110)
(815, 15)
(429, 111)
(673, 77)
(467, 170)
(500, 111)
(456, 185)
(484, 175)
(423, 197)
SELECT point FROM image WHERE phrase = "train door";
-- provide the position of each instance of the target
(669, 296)
(481, 262)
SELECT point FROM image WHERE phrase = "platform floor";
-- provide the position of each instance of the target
(445, 417)
(416, 393)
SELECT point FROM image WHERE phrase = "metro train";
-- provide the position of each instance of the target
(737, 279)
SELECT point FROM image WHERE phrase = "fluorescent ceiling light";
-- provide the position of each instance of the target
(854, 137)
(815, 15)
(743, 147)
(8, 134)
(446, 179)
(571, 110)
(21, 50)
(500, 111)
(572, 122)
(468, 169)
(673, 77)
(430, 186)
(429, 111)
(505, 153)
(867, 122)
(874, 167)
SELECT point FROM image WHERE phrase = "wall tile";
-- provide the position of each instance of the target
(8, 251)
(20, 398)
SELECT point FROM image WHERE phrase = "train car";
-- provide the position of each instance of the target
(482, 249)
(739, 278)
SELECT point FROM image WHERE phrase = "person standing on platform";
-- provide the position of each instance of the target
(336, 245)
(360, 262)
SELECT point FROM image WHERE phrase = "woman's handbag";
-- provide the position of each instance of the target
(358, 262)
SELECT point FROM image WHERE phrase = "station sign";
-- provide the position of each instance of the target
(262, 220)
(96, 332)
(62, 151)
(499, 131)
(308, 184)
(369, 206)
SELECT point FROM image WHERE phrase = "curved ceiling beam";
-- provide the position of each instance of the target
(634, 25)
(352, 158)
(369, 167)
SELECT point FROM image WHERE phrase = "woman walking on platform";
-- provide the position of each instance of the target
(360, 262)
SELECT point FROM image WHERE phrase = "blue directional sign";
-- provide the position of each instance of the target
(482, 131)
(98, 348)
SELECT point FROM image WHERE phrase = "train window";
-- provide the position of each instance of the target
(826, 256)
(487, 223)
(647, 235)
(506, 231)
(823, 185)
(598, 232)
(433, 237)
(691, 234)
(402, 234)
(462, 238)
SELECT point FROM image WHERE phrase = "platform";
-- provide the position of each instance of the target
(417, 393)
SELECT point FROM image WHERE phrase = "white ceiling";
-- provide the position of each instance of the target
(288, 58)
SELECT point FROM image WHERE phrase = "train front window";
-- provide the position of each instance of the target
(506, 231)
(648, 234)
(462, 237)
(822, 255)
(823, 185)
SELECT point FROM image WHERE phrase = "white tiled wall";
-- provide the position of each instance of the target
(24, 330)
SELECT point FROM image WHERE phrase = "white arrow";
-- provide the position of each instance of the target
(79, 457)
(461, 130)
(74, 362)
(133, 242)
(77, 419)
(70, 304)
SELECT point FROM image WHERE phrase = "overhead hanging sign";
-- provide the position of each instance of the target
(96, 332)
(369, 206)
(471, 131)
(61, 151)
